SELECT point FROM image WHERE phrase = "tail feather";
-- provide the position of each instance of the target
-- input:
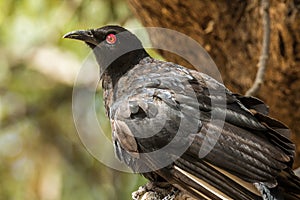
(218, 179)
(289, 184)
(207, 182)
(186, 183)
(204, 181)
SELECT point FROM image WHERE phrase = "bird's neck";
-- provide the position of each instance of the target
(122, 65)
(115, 71)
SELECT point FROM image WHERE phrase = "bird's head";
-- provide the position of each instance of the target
(116, 49)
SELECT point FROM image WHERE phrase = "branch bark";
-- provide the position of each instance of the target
(231, 33)
(263, 59)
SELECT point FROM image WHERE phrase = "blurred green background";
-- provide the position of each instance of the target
(41, 155)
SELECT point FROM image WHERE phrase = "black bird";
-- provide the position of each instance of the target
(161, 116)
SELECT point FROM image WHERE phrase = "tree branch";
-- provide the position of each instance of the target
(265, 4)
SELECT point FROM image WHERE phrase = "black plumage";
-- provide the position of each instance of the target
(155, 104)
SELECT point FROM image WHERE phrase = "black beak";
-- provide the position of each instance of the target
(86, 36)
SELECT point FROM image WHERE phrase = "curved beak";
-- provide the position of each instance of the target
(83, 35)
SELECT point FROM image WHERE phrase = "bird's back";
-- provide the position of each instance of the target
(158, 104)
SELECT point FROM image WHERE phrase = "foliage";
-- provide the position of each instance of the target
(40, 152)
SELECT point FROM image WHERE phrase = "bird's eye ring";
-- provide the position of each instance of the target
(111, 38)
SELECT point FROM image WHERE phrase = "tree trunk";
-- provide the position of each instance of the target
(231, 32)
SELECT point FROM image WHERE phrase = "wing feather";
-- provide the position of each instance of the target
(165, 107)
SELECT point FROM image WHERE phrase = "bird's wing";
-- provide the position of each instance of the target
(173, 108)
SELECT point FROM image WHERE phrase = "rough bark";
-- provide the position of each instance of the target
(231, 31)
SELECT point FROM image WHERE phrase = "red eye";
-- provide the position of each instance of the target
(111, 38)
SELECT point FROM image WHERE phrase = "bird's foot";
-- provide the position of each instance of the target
(155, 191)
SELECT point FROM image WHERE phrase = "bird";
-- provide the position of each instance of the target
(163, 114)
